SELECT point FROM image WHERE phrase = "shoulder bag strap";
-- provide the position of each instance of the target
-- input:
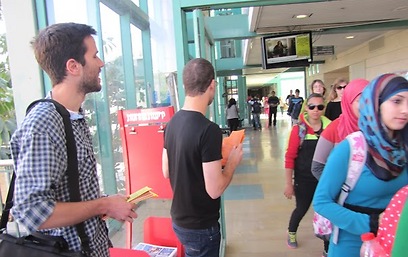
(7, 206)
(72, 172)
(357, 159)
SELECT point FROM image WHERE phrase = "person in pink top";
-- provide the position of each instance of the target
(338, 129)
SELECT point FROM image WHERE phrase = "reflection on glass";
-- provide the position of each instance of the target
(112, 50)
(163, 50)
(137, 52)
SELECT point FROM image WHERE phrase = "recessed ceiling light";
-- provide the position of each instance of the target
(350, 37)
(301, 16)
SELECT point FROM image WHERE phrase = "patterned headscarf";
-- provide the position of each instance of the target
(388, 154)
(348, 121)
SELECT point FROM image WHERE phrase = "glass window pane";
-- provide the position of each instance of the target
(163, 50)
(112, 49)
(70, 11)
(137, 52)
(76, 11)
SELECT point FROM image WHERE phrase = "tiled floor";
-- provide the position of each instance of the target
(256, 211)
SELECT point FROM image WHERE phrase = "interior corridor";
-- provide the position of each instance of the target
(257, 212)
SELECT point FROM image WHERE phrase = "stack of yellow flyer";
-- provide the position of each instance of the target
(142, 194)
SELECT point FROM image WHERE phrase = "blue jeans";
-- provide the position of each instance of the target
(200, 242)
(257, 120)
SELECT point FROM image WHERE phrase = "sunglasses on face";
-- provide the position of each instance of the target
(341, 87)
(320, 107)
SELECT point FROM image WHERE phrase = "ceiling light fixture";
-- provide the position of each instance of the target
(301, 16)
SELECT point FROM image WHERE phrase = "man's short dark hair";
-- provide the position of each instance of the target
(58, 43)
(197, 76)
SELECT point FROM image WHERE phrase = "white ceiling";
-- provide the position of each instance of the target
(330, 23)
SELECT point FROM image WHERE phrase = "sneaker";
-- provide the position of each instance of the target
(324, 254)
(292, 242)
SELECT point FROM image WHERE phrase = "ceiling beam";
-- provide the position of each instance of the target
(379, 26)
(217, 4)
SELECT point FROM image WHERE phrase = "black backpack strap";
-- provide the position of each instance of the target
(7, 206)
(72, 171)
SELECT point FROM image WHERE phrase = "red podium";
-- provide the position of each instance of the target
(141, 132)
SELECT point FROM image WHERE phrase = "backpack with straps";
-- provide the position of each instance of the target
(358, 153)
(256, 107)
(297, 107)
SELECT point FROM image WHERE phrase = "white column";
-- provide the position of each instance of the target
(19, 17)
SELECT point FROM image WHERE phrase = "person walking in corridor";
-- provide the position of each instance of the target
(300, 181)
(273, 102)
(338, 130)
(383, 120)
(232, 114)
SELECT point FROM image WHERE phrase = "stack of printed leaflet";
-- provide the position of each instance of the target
(157, 250)
(142, 194)
(228, 143)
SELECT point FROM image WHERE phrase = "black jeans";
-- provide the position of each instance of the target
(304, 191)
(273, 111)
(233, 124)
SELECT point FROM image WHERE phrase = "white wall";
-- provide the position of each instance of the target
(387, 53)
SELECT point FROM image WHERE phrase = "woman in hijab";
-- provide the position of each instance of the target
(338, 130)
(383, 121)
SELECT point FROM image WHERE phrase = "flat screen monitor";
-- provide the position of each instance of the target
(287, 50)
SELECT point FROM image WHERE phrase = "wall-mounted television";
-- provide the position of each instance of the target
(287, 50)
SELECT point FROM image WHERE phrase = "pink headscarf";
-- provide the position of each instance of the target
(348, 122)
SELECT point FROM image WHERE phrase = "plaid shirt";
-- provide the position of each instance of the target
(40, 161)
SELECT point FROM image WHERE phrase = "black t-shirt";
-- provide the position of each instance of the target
(288, 99)
(190, 140)
(273, 100)
(333, 110)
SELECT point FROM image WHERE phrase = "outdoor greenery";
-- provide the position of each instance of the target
(7, 113)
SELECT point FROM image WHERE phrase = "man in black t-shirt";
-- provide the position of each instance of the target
(192, 160)
(273, 102)
(289, 97)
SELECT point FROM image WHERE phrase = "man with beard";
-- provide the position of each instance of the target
(67, 52)
(192, 160)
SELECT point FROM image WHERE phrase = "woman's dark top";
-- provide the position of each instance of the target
(333, 110)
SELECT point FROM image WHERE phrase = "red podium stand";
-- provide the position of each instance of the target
(141, 132)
